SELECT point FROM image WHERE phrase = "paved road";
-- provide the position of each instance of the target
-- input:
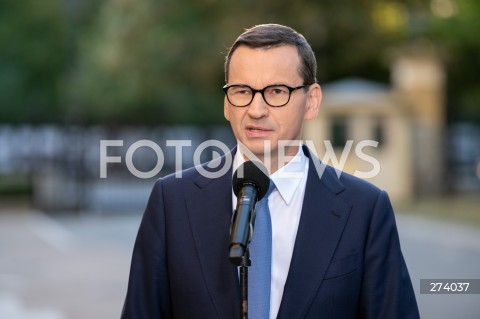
(437, 250)
(76, 267)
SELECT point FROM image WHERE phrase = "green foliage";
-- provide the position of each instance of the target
(161, 61)
(149, 62)
(458, 37)
(33, 56)
(15, 185)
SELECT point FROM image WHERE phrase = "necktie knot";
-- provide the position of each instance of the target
(262, 202)
(271, 187)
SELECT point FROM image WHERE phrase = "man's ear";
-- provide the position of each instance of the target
(314, 98)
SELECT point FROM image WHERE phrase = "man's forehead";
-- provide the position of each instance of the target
(286, 53)
(278, 59)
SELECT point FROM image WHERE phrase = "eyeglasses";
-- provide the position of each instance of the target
(273, 95)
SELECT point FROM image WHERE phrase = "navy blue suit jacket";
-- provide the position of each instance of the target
(346, 263)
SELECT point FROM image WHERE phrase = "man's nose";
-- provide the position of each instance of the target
(258, 107)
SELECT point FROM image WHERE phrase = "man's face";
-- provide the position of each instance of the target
(258, 122)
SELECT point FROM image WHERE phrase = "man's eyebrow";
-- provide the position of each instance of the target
(247, 85)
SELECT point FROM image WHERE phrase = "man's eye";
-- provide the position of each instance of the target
(279, 91)
(241, 92)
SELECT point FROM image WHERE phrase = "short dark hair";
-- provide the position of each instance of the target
(275, 35)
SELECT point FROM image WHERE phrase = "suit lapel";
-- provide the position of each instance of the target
(209, 209)
(321, 224)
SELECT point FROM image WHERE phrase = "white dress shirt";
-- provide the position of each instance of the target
(285, 204)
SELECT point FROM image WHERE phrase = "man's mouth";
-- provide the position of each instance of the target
(257, 129)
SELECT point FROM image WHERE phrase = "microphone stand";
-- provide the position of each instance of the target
(248, 191)
(244, 264)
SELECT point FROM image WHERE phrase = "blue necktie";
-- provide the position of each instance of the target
(259, 276)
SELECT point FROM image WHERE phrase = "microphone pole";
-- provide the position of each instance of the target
(242, 229)
(249, 187)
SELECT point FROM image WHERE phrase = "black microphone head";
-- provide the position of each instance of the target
(251, 172)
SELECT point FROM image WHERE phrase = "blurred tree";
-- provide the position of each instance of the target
(149, 62)
(455, 24)
(33, 57)
(161, 62)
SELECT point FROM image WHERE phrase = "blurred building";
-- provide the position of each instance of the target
(406, 119)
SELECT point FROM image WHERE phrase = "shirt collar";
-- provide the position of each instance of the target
(288, 178)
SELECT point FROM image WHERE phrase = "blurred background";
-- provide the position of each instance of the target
(76, 72)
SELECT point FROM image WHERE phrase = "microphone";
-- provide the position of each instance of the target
(250, 183)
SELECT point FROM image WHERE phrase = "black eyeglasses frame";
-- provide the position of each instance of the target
(262, 91)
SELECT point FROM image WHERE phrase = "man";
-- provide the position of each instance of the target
(335, 248)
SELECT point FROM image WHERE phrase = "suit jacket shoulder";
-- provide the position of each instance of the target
(347, 259)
